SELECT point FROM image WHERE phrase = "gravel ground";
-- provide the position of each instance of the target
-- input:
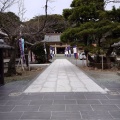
(109, 79)
(104, 76)
(98, 74)
(26, 75)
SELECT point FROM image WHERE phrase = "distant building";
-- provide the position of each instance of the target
(53, 39)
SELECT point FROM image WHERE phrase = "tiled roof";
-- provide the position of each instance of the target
(52, 37)
(3, 45)
(116, 44)
(2, 33)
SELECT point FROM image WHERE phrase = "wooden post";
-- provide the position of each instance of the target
(1, 68)
(87, 60)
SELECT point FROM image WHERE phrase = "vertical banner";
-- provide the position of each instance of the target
(66, 51)
(22, 41)
(75, 51)
(21, 45)
(69, 51)
(51, 52)
(45, 49)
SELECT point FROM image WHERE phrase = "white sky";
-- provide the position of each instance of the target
(36, 7)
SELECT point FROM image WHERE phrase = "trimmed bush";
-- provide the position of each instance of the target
(39, 51)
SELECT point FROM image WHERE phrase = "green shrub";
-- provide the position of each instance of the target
(40, 56)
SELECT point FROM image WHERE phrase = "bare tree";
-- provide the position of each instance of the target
(11, 67)
(44, 23)
(31, 29)
(21, 10)
(11, 23)
(5, 4)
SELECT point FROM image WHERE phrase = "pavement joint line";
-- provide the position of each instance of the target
(61, 68)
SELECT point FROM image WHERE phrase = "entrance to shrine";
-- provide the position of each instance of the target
(60, 50)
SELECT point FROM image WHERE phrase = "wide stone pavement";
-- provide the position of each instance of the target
(63, 76)
(18, 102)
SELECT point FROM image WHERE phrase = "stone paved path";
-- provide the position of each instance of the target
(63, 76)
(59, 106)
(17, 104)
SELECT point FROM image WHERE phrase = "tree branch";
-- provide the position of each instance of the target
(42, 28)
(5, 4)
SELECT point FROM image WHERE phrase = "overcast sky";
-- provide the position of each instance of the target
(36, 7)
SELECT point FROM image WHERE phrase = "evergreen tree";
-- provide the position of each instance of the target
(91, 24)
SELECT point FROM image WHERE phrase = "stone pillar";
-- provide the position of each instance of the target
(1, 68)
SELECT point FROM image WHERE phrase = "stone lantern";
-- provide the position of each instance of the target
(3, 46)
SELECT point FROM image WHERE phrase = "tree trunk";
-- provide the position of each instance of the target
(108, 56)
(86, 40)
(11, 65)
(89, 58)
(109, 51)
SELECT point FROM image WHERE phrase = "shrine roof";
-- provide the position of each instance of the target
(52, 37)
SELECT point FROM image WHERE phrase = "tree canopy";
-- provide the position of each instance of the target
(9, 23)
(90, 23)
(92, 27)
(54, 23)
